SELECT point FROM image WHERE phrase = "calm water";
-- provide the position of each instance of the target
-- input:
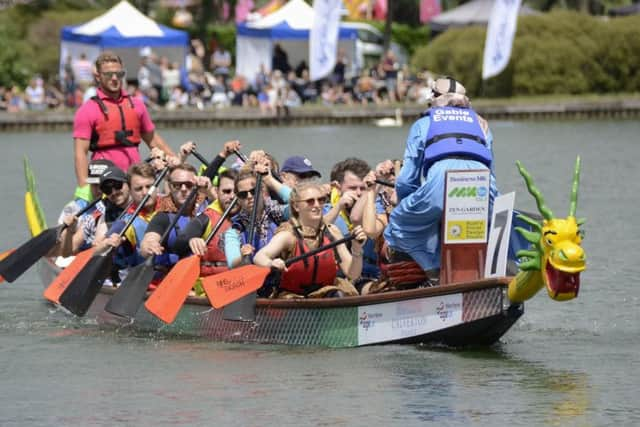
(572, 363)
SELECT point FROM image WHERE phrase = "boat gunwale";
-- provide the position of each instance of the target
(354, 301)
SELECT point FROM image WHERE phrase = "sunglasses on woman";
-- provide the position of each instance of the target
(313, 201)
(177, 185)
(245, 194)
(108, 186)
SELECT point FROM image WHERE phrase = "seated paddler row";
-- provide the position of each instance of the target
(264, 213)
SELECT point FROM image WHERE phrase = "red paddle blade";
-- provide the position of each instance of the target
(60, 283)
(227, 287)
(3, 255)
(165, 302)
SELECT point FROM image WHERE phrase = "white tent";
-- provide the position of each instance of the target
(476, 12)
(289, 26)
(125, 30)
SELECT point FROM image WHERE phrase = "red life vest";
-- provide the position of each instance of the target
(214, 261)
(119, 125)
(310, 274)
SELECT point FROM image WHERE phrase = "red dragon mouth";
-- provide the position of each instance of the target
(562, 284)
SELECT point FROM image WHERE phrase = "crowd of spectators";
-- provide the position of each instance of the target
(163, 85)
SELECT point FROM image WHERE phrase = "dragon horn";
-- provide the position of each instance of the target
(574, 189)
(533, 190)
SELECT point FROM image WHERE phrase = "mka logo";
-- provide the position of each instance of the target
(463, 192)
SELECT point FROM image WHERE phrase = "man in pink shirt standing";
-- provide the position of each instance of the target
(112, 124)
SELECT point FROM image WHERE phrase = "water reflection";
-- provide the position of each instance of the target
(485, 385)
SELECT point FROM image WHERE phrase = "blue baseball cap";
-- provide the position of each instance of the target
(299, 165)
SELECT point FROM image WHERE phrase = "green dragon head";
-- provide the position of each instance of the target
(556, 250)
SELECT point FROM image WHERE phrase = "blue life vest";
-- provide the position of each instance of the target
(169, 258)
(455, 132)
(125, 257)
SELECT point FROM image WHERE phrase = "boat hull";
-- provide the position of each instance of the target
(475, 313)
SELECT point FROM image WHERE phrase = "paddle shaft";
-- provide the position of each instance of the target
(220, 222)
(244, 158)
(244, 309)
(384, 182)
(257, 197)
(319, 249)
(199, 157)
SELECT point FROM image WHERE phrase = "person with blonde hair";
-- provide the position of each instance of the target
(306, 230)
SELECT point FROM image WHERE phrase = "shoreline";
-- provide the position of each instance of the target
(238, 117)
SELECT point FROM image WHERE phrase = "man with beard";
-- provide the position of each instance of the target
(182, 180)
(192, 237)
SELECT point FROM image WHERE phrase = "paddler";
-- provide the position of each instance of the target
(315, 276)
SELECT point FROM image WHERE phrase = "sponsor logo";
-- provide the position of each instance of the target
(368, 320)
(445, 310)
(478, 193)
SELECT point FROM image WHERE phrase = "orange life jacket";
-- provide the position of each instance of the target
(119, 125)
(309, 274)
(214, 261)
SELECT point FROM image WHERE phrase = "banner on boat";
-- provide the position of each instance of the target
(410, 318)
(466, 206)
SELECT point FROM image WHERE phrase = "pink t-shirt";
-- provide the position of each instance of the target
(87, 117)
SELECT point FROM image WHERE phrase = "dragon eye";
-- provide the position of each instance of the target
(549, 242)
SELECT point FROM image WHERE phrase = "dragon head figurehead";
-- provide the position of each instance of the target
(556, 252)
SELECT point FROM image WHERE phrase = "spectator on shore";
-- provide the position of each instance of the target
(82, 71)
(221, 63)
(339, 70)
(15, 101)
(34, 95)
(280, 60)
(3, 100)
(262, 78)
(390, 69)
(170, 77)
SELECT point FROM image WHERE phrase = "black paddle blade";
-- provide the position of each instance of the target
(130, 295)
(19, 261)
(84, 288)
(243, 310)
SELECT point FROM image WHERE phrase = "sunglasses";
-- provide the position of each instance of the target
(177, 185)
(312, 201)
(108, 186)
(110, 74)
(245, 194)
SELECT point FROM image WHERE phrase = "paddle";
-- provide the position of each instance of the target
(133, 289)
(3, 255)
(62, 280)
(20, 260)
(130, 294)
(85, 286)
(165, 302)
(244, 309)
(227, 287)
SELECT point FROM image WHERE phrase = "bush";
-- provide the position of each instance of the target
(556, 53)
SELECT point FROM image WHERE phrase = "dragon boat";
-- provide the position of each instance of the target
(476, 312)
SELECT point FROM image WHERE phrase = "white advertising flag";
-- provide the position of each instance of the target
(501, 30)
(323, 38)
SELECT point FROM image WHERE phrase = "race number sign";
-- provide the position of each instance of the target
(466, 206)
(498, 246)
